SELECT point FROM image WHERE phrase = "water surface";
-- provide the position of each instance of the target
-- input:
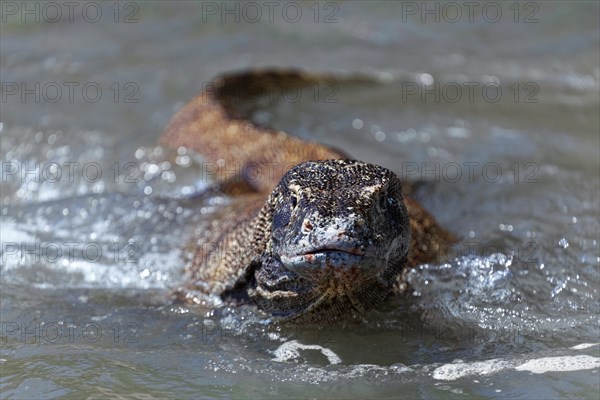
(95, 216)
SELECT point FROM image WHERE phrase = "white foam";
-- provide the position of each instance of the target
(290, 351)
(153, 270)
(11, 232)
(456, 370)
(103, 275)
(459, 369)
(14, 237)
(583, 346)
(560, 364)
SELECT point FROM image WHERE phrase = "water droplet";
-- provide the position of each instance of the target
(426, 79)
(380, 136)
(152, 168)
(491, 79)
(357, 123)
(158, 151)
(457, 132)
(183, 161)
(506, 227)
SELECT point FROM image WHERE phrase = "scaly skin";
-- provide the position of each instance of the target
(320, 237)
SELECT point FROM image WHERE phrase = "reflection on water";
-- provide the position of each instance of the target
(96, 217)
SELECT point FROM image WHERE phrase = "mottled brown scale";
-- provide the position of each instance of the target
(244, 255)
(211, 125)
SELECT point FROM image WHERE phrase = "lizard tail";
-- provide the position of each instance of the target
(244, 156)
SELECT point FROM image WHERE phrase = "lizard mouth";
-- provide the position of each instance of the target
(330, 254)
(336, 259)
(333, 249)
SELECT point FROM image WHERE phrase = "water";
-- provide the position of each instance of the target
(88, 260)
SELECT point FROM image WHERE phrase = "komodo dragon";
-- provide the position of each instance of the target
(318, 236)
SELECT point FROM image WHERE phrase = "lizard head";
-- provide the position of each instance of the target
(338, 235)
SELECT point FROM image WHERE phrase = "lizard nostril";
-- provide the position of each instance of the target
(307, 226)
(382, 202)
(359, 225)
